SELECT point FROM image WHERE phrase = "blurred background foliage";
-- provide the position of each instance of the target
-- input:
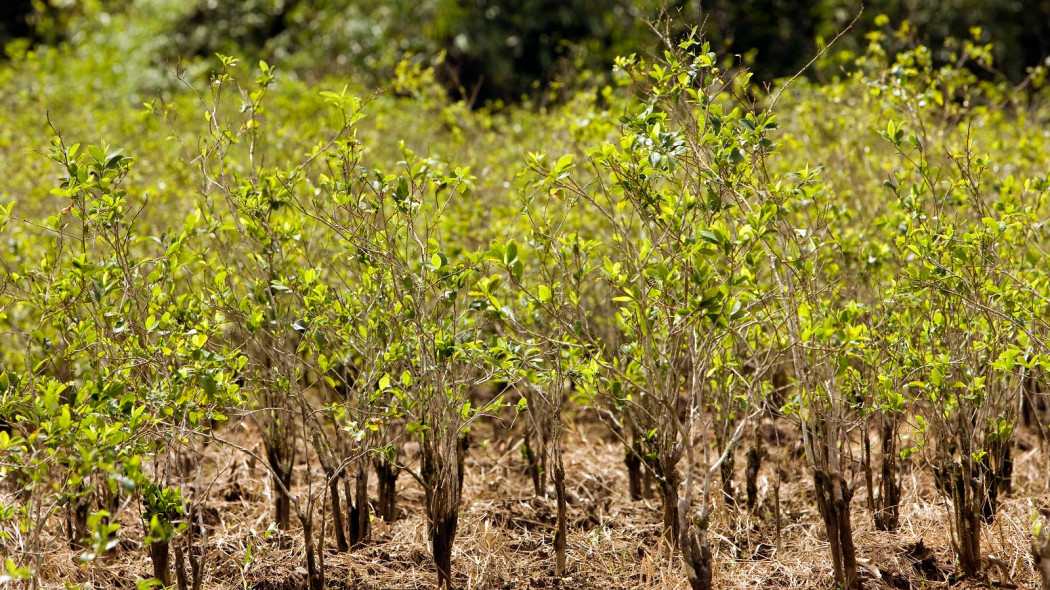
(501, 50)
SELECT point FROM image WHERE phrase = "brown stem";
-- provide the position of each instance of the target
(958, 481)
(324, 456)
(443, 479)
(1028, 392)
(833, 501)
(158, 553)
(778, 520)
(337, 515)
(726, 471)
(669, 498)
(887, 513)
(277, 456)
(386, 488)
(754, 465)
(359, 522)
(697, 556)
(534, 464)
(869, 478)
(181, 580)
(443, 534)
(78, 512)
(313, 571)
(282, 505)
(633, 460)
(559, 536)
(647, 482)
(1006, 470)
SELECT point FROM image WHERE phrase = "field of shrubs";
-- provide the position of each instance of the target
(665, 327)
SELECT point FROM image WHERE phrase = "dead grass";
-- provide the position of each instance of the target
(505, 532)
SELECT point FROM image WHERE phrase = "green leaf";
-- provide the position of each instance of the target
(563, 165)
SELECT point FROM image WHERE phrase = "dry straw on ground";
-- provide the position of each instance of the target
(505, 532)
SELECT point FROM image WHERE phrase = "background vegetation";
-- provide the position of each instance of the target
(305, 294)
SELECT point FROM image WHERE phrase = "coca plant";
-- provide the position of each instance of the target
(262, 280)
(976, 326)
(681, 258)
(972, 295)
(435, 305)
(115, 368)
(552, 354)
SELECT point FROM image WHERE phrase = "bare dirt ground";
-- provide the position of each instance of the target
(505, 533)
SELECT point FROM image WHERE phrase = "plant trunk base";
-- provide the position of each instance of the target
(386, 488)
(158, 553)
